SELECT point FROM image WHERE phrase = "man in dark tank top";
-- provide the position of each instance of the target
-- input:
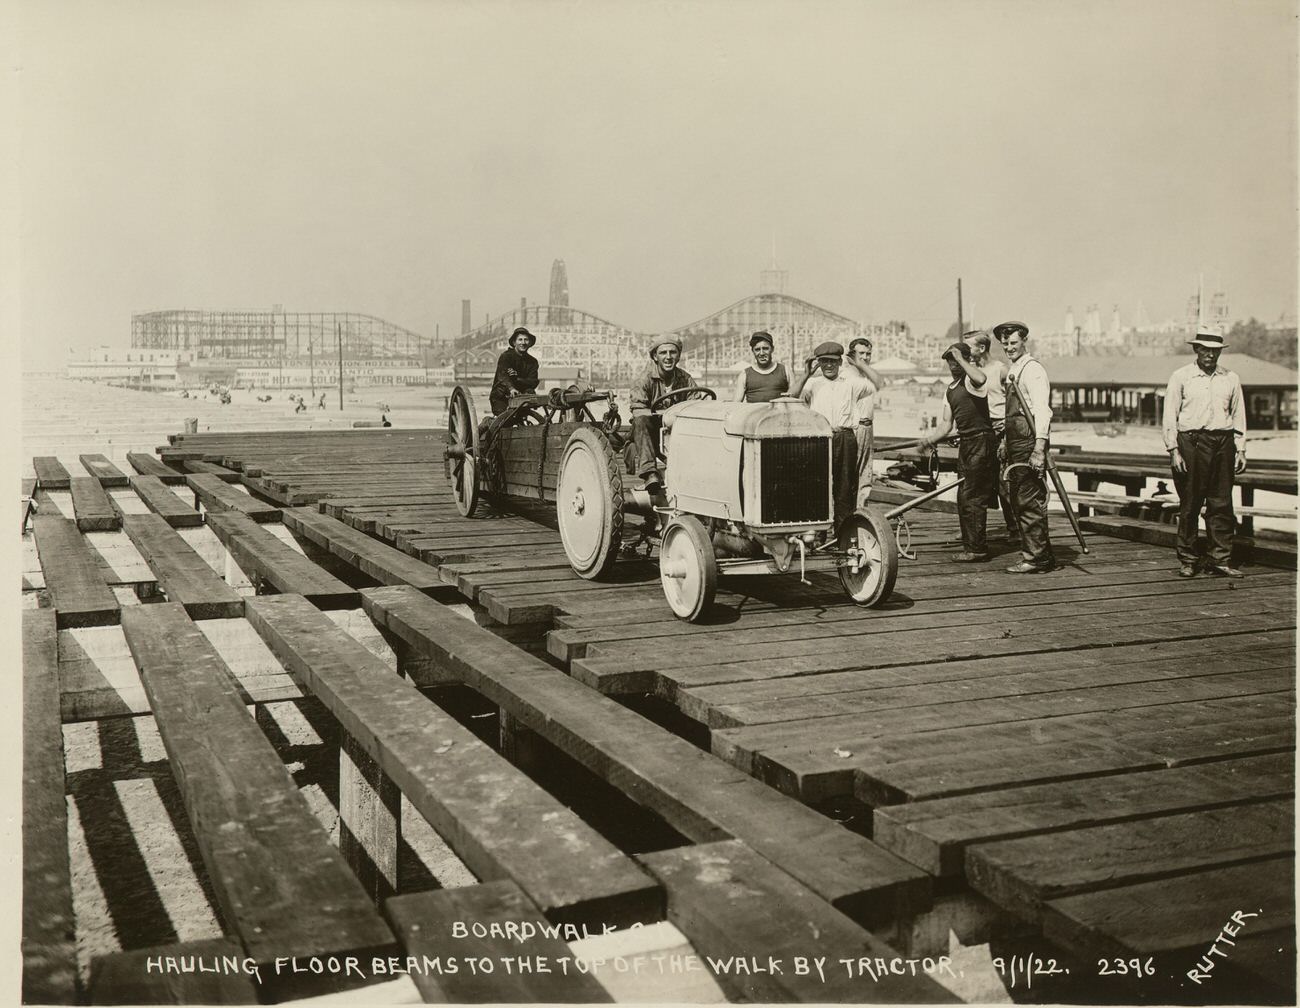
(966, 405)
(766, 379)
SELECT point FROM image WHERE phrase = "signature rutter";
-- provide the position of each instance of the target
(1203, 969)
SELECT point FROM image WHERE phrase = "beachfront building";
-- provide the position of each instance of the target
(136, 368)
(1132, 389)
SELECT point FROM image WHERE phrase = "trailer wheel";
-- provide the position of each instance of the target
(461, 458)
(688, 568)
(589, 503)
(868, 539)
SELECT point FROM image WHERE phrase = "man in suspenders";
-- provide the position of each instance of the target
(1024, 448)
(966, 403)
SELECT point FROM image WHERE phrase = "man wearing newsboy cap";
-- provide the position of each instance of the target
(1205, 434)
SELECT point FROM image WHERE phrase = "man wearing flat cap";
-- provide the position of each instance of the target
(516, 371)
(1028, 422)
(1205, 435)
(661, 377)
(835, 393)
(766, 379)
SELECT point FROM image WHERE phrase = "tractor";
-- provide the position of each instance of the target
(747, 489)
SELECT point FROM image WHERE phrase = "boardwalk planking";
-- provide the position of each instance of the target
(78, 591)
(49, 927)
(218, 498)
(498, 822)
(50, 473)
(1023, 873)
(724, 897)
(103, 470)
(697, 794)
(935, 834)
(425, 921)
(1178, 919)
(182, 574)
(374, 559)
(94, 510)
(125, 978)
(162, 501)
(148, 465)
(282, 886)
(269, 561)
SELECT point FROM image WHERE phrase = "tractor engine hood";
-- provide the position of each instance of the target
(758, 420)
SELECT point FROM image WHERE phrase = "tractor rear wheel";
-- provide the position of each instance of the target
(868, 539)
(589, 503)
(688, 568)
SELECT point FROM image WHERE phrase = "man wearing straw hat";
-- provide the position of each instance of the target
(1205, 434)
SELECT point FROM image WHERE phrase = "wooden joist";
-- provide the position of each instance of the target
(496, 819)
(182, 574)
(425, 921)
(724, 898)
(148, 465)
(49, 927)
(103, 470)
(219, 498)
(162, 501)
(268, 560)
(212, 469)
(282, 886)
(73, 575)
(94, 509)
(934, 834)
(373, 558)
(50, 473)
(698, 795)
(159, 976)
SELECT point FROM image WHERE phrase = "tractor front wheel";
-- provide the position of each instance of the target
(688, 569)
(870, 565)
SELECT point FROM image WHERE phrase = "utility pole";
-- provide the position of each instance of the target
(338, 335)
(961, 319)
(311, 366)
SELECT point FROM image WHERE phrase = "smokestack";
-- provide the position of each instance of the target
(465, 325)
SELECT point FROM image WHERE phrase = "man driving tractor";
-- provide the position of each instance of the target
(661, 377)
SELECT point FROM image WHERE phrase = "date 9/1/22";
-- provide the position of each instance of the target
(1015, 970)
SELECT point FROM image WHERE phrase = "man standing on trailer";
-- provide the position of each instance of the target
(1205, 434)
(966, 402)
(1024, 448)
(767, 379)
(860, 351)
(827, 389)
(663, 376)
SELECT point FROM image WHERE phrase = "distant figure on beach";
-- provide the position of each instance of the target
(320, 404)
(1205, 434)
(384, 421)
(301, 407)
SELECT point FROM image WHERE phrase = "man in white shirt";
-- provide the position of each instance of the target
(1205, 434)
(1028, 418)
(834, 393)
(860, 350)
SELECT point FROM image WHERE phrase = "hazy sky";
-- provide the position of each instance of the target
(395, 157)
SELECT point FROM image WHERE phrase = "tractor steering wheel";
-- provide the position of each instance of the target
(671, 398)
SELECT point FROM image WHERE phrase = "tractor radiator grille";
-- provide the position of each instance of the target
(795, 474)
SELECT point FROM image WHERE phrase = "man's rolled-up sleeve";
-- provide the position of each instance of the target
(1173, 400)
